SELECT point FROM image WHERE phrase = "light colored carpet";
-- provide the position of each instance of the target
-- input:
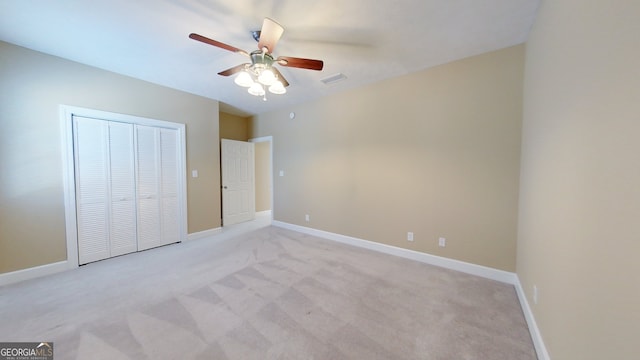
(267, 294)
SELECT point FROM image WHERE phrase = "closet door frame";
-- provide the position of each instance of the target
(66, 120)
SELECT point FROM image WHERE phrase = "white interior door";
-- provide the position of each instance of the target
(238, 181)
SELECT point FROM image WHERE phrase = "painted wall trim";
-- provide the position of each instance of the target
(204, 234)
(34, 272)
(263, 213)
(468, 268)
(261, 139)
(536, 337)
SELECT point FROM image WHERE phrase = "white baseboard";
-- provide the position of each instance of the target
(468, 268)
(34, 272)
(536, 337)
(49, 269)
(263, 213)
(473, 269)
(203, 234)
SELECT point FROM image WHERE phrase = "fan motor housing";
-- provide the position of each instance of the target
(261, 59)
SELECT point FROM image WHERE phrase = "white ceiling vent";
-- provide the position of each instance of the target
(333, 78)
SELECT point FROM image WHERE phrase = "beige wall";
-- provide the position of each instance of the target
(263, 175)
(579, 227)
(234, 127)
(435, 152)
(32, 86)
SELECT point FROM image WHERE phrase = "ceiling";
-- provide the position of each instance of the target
(366, 41)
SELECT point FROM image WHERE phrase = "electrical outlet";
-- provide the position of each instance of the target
(409, 236)
(442, 242)
(535, 294)
(306, 217)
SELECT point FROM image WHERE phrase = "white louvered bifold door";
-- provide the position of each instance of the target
(148, 181)
(92, 198)
(170, 216)
(158, 186)
(105, 189)
(123, 195)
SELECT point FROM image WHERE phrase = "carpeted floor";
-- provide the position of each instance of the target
(267, 294)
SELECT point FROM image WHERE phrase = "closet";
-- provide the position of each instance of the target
(128, 189)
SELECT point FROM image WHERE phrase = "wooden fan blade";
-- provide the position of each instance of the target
(206, 40)
(300, 63)
(233, 70)
(269, 35)
(284, 81)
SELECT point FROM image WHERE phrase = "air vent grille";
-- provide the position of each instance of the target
(333, 78)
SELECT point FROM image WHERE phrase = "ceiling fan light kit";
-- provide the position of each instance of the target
(258, 74)
(261, 72)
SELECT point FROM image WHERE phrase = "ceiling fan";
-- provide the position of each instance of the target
(260, 71)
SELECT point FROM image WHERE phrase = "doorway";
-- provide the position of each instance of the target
(248, 203)
(264, 175)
